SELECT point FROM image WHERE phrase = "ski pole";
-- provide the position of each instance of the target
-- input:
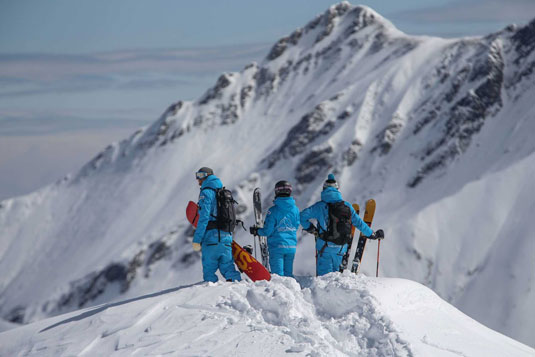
(315, 242)
(378, 248)
(316, 252)
(254, 242)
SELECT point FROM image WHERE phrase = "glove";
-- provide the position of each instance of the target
(378, 234)
(312, 230)
(253, 230)
(248, 249)
(196, 247)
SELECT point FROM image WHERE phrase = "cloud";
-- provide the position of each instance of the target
(56, 124)
(186, 61)
(34, 74)
(17, 87)
(30, 162)
(467, 11)
(134, 84)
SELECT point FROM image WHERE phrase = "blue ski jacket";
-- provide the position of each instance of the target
(281, 224)
(208, 212)
(320, 212)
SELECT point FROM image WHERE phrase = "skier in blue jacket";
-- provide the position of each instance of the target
(329, 254)
(216, 244)
(280, 228)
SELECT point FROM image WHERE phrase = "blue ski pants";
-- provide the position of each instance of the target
(281, 261)
(328, 262)
(218, 256)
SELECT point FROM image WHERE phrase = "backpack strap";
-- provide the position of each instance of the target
(213, 224)
(215, 191)
(322, 249)
(322, 231)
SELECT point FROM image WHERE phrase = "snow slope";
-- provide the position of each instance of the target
(438, 131)
(333, 315)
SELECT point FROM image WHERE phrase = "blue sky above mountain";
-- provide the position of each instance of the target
(62, 26)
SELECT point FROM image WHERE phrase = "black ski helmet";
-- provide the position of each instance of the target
(203, 172)
(283, 189)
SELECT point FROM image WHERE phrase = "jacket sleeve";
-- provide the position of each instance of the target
(269, 224)
(297, 216)
(312, 212)
(206, 198)
(359, 223)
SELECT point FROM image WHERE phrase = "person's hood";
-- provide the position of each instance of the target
(330, 195)
(284, 202)
(211, 181)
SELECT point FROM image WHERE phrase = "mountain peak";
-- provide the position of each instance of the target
(351, 18)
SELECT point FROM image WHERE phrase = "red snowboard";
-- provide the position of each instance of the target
(245, 261)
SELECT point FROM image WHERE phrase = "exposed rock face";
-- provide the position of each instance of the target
(301, 135)
(278, 49)
(314, 165)
(523, 44)
(388, 136)
(216, 92)
(350, 155)
(465, 116)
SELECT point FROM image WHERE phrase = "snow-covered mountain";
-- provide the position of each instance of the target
(437, 131)
(333, 315)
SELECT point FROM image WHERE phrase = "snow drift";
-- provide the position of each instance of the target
(333, 315)
(437, 131)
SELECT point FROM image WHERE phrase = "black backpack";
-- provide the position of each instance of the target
(339, 226)
(226, 215)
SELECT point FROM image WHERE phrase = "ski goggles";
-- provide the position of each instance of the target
(200, 175)
(330, 184)
(286, 189)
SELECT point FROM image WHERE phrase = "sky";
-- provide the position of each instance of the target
(79, 74)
